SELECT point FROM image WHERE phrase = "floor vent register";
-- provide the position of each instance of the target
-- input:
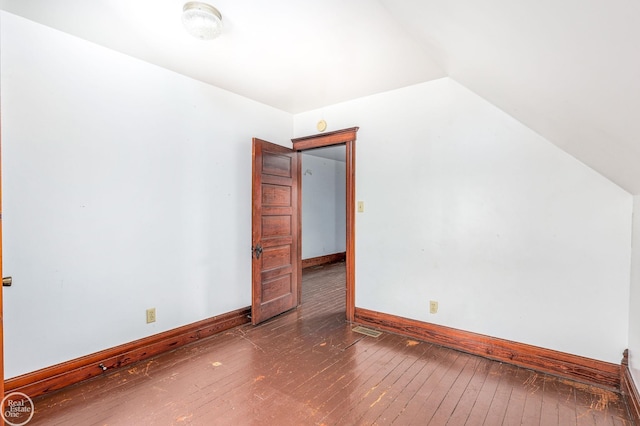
(367, 331)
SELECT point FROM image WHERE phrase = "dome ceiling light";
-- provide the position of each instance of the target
(202, 20)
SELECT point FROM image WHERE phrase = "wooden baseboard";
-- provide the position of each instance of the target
(323, 260)
(67, 373)
(581, 369)
(629, 390)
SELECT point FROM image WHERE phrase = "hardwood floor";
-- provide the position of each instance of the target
(307, 367)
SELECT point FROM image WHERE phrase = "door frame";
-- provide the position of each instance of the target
(338, 137)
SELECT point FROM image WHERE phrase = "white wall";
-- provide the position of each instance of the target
(125, 187)
(323, 206)
(466, 206)
(634, 298)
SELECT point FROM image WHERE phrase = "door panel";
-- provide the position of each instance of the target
(275, 244)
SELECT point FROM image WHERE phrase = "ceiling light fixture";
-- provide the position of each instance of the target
(201, 20)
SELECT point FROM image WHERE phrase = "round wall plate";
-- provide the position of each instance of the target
(321, 126)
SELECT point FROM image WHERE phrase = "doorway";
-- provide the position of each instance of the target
(323, 213)
(346, 138)
(276, 215)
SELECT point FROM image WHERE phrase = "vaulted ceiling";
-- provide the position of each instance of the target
(568, 69)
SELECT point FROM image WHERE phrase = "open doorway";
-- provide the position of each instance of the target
(323, 183)
(324, 212)
(345, 138)
(276, 217)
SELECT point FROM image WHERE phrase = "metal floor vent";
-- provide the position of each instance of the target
(367, 331)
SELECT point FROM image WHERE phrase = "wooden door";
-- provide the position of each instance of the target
(275, 244)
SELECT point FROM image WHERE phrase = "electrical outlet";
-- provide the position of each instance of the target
(151, 315)
(433, 307)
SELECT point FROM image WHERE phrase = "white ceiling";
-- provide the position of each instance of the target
(333, 152)
(569, 69)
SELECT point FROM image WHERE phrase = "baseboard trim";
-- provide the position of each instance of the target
(70, 372)
(629, 390)
(323, 260)
(574, 367)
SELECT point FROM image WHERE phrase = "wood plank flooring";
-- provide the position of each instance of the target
(307, 367)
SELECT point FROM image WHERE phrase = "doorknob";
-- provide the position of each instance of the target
(7, 281)
(257, 251)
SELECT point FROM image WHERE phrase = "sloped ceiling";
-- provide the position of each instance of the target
(568, 69)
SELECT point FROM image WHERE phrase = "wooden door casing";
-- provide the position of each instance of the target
(275, 243)
(348, 138)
